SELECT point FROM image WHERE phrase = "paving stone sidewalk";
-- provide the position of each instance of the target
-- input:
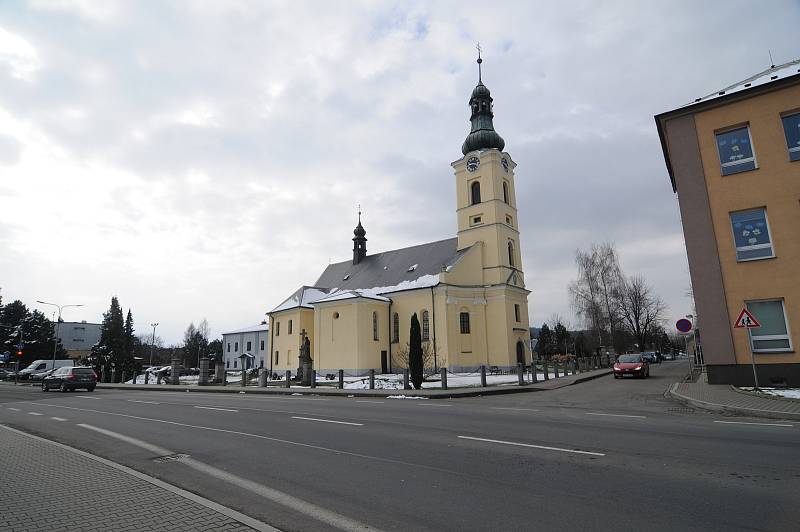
(47, 486)
(723, 398)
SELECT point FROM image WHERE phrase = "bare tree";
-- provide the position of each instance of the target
(596, 292)
(585, 293)
(642, 311)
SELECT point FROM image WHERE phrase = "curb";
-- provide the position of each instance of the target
(335, 392)
(727, 409)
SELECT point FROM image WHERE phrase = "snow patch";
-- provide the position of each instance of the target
(404, 397)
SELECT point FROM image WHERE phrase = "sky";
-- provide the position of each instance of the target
(203, 159)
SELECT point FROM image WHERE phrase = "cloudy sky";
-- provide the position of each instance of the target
(204, 159)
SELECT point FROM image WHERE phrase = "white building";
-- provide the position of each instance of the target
(78, 337)
(252, 340)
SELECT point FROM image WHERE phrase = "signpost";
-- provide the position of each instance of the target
(747, 321)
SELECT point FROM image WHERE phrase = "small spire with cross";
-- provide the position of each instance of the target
(478, 46)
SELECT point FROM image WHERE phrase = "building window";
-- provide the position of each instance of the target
(735, 149)
(476, 220)
(249, 346)
(262, 345)
(516, 312)
(773, 335)
(228, 364)
(234, 363)
(229, 347)
(277, 328)
(475, 192)
(375, 326)
(509, 221)
(511, 253)
(277, 357)
(236, 347)
(395, 328)
(464, 322)
(261, 363)
(791, 127)
(751, 235)
(426, 326)
(505, 191)
(290, 327)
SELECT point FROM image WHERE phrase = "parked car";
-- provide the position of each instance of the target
(40, 366)
(651, 357)
(6, 375)
(631, 366)
(669, 356)
(38, 377)
(70, 378)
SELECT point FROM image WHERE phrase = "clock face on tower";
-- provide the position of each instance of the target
(473, 163)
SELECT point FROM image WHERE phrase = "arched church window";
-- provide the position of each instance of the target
(426, 326)
(475, 190)
(505, 192)
(463, 320)
(395, 328)
(375, 326)
(510, 253)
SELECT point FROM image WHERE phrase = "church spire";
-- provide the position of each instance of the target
(359, 241)
(482, 134)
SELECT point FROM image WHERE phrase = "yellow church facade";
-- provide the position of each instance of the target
(468, 292)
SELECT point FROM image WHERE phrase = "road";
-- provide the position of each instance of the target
(602, 455)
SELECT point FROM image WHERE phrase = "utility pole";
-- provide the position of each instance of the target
(153, 342)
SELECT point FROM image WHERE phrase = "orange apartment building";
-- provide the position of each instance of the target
(734, 160)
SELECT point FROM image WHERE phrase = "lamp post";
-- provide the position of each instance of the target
(153, 342)
(58, 325)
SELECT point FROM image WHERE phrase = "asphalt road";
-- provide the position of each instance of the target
(603, 455)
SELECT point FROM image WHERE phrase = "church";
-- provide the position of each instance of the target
(468, 292)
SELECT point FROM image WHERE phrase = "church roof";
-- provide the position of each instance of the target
(253, 328)
(352, 294)
(391, 271)
(303, 297)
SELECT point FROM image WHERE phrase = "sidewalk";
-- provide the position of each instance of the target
(451, 393)
(49, 486)
(724, 398)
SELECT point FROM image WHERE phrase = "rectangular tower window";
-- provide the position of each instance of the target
(516, 312)
(735, 148)
(290, 327)
(773, 335)
(262, 345)
(476, 220)
(464, 322)
(751, 235)
(791, 128)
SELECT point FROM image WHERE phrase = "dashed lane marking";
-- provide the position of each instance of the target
(145, 402)
(614, 415)
(87, 397)
(14, 409)
(35, 414)
(374, 402)
(752, 423)
(545, 447)
(431, 404)
(58, 418)
(520, 409)
(328, 421)
(215, 408)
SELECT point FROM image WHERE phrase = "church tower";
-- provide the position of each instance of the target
(486, 201)
(359, 241)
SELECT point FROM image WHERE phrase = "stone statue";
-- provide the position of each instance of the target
(306, 364)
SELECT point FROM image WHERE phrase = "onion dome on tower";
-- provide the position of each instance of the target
(359, 241)
(482, 135)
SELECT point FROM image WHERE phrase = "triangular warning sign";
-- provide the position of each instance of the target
(746, 320)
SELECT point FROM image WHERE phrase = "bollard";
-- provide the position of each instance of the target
(146, 377)
(405, 379)
(372, 379)
(483, 376)
(534, 376)
(341, 379)
(444, 378)
(314, 379)
(520, 373)
(123, 380)
(288, 379)
(262, 378)
(546, 370)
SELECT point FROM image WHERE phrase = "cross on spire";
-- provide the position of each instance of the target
(478, 46)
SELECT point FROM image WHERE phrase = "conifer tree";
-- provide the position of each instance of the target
(111, 347)
(545, 344)
(415, 353)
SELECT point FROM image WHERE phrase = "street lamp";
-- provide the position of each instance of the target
(153, 342)
(58, 325)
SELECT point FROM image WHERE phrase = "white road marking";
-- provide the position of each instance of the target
(58, 418)
(510, 408)
(545, 447)
(750, 423)
(375, 402)
(299, 505)
(431, 404)
(14, 409)
(87, 397)
(215, 408)
(328, 421)
(614, 415)
(35, 414)
(145, 402)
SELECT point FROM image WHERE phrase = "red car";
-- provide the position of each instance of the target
(631, 366)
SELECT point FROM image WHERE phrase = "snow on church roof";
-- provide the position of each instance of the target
(253, 328)
(303, 297)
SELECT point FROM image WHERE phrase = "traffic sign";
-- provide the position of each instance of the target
(746, 321)
(684, 326)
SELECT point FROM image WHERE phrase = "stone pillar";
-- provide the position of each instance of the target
(174, 377)
(203, 379)
(219, 372)
(124, 379)
(306, 381)
(520, 373)
(262, 378)
(444, 378)
(313, 378)
(288, 378)
(372, 379)
(341, 379)
(114, 375)
(483, 376)
(405, 379)
(147, 377)
(243, 382)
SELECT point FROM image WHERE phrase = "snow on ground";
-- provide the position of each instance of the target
(788, 393)
(404, 397)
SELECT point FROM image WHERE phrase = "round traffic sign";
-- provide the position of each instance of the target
(684, 326)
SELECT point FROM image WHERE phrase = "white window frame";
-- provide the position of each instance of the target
(757, 246)
(787, 336)
(737, 163)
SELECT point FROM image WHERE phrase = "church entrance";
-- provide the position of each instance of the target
(520, 352)
(384, 362)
